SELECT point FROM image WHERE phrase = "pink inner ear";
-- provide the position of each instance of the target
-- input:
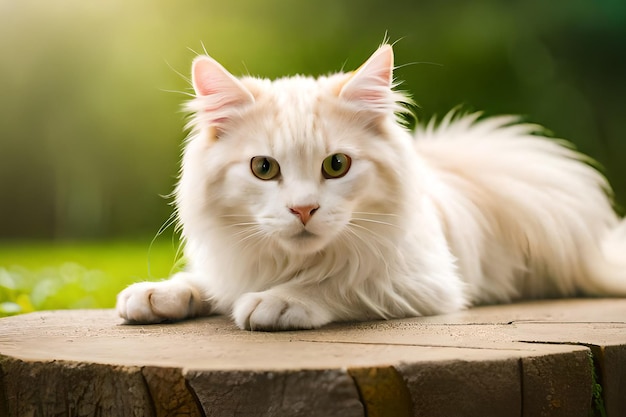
(209, 77)
(371, 83)
(380, 65)
(218, 92)
(205, 86)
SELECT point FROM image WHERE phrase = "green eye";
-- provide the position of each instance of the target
(336, 165)
(264, 167)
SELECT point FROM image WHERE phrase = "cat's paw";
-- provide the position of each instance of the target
(270, 312)
(155, 302)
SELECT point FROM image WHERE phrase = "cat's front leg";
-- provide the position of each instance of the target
(154, 302)
(281, 309)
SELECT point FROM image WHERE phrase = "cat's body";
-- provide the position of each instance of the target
(303, 201)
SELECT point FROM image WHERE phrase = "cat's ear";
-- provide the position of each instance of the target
(371, 85)
(218, 93)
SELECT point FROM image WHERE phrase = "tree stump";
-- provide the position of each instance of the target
(552, 358)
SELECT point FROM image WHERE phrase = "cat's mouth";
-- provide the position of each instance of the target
(304, 235)
(303, 242)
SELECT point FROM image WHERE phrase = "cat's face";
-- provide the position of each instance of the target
(293, 162)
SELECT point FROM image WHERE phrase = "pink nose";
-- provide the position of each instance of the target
(304, 212)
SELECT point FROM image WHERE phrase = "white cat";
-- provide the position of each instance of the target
(304, 201)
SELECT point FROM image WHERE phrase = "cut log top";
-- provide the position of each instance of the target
(535, 358)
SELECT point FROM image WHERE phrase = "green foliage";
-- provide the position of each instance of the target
(48, 276)
(67, 286)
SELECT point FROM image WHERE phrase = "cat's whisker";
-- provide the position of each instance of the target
(366, 213)
(236, 215)
(249, 244)
(368, 230)
(253, 233)
(360, 228)
(363, 219)
(246, 234)
(350, 240)
(242, 234)
(364, 247)
(240, 224)
(232, 220)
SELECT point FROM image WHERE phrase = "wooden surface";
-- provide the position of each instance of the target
(536, 358)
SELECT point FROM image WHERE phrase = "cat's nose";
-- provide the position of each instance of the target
(304, 212)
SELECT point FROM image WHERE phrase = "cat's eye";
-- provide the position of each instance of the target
(336, 165)
(264, 167)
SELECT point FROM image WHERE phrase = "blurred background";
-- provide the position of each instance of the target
(91, 91)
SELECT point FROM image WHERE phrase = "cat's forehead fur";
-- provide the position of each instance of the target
(301, 96)
(293, 114)
(295, 89)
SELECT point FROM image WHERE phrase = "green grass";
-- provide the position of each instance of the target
(48, 276)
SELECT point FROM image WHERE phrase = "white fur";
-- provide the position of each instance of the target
(468, 211)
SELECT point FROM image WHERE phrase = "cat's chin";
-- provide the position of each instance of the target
(303, 243)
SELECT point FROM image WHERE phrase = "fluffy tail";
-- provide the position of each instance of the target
(526, 216)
